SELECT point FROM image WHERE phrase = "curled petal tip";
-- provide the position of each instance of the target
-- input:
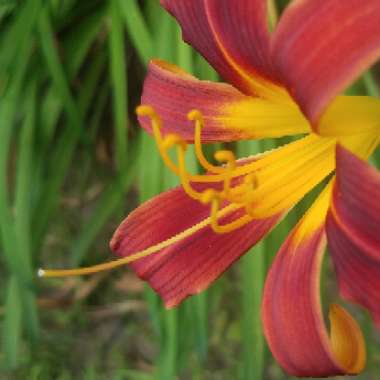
(347, 341)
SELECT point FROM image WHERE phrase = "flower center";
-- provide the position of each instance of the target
(354, 121)
(261, 186)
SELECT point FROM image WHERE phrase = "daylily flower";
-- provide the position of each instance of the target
(280, 84)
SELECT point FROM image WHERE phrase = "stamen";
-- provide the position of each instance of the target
(251, 184)
(174, 139)
(225, 173)
(222, 229)
(208, 195)
(227, 156)
(196, 116)
(213, 197)
(156, 127)
(185, 177)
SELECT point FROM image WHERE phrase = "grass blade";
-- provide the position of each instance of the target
(252, 273)
(64, 150)
(78, 41)
(12, 328)
(20, 32)
(137, 29)
(106, 207)
(119, 85)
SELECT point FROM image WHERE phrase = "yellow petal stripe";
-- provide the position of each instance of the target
(260, 118)
(351, 115)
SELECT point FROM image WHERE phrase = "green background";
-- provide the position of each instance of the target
(72, 165)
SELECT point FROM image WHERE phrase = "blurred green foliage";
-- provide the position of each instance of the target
(72, 164)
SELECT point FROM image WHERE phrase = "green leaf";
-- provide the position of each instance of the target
(119, 85)
(12, 328)
(137, 29)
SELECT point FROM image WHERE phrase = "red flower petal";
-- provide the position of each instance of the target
(292, 313)
(234, 39)
(353, 228)
(320, 47)
(242, 32)
(229, 115)
(190, 265)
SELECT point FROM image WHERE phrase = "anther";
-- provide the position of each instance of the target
(208, 196)
(174, 139)
(145, 110)
(251, 184)
(185, 176)
(197, 116)
(226, 156)
(229, 157)
(222, 229)
(149, 111)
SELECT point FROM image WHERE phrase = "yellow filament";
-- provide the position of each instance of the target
(156, 127)
(183, 174)
(138, 255)
(196, 116)
(213, 197)
(228, 193)
(222, 229)
(227, 156)
(221, 156)
(251, 184)
(173, 139)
